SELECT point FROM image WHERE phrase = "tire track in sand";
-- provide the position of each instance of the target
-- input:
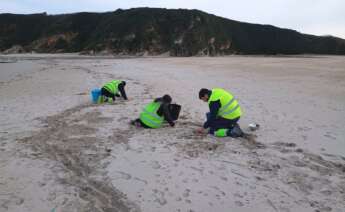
(80, 157)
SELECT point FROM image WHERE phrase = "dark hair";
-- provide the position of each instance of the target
(123, 83)
(203, 92)
(167, 98)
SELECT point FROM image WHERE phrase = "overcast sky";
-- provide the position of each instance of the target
(319, 17)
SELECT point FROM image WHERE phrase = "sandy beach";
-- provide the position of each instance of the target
(61, 153)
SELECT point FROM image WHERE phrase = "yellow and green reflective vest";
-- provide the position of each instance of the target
(113, 86)
(150, 117)
(230, 109)
(101, 99)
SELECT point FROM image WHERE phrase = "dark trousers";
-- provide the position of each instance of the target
(221, 123)
(138, 122)
(105, 92)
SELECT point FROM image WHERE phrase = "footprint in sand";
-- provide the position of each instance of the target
(156, 165)
(178, 199)
(329, 135)
(140, 180)
(224, 178)
(186, 180)
(188, 201)
(304, 129)
(195, 180)
(186, 193)
(14, 200)
(239, 203)
(159, 195)
(123, 175)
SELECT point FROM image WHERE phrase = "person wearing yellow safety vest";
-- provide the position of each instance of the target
(155, 113)
(224, 113)
(112, 89)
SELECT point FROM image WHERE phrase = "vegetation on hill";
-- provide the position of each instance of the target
(155, 31)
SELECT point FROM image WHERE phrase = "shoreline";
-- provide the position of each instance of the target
(33, 56)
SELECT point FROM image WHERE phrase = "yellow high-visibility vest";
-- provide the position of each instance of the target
(150, 117)
(113, 86)
(230, 109)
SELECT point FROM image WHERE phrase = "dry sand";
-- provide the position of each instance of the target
(60, 153)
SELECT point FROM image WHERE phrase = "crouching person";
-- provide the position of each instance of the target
(224, 113)
(111, 90)
(155, 114)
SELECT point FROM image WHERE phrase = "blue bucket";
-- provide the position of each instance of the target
(95, 93)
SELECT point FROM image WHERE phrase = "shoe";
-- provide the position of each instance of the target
(235, 132)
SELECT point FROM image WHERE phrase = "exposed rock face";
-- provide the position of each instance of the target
(16, 49)
(53, 43)
(148, 31)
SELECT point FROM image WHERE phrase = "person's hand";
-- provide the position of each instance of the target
(201, 131)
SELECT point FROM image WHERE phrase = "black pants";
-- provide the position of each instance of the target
(106, 93)
(221, 123)
(138, 122)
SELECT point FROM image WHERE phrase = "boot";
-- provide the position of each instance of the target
(235, 132)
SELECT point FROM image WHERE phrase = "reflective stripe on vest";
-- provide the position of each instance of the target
(150, 117)
(113, 86)
(230, 108)
(151, 124)
(230, 111)
(152, 114)
(226, 106)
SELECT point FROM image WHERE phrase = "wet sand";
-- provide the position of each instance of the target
(59, 152)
